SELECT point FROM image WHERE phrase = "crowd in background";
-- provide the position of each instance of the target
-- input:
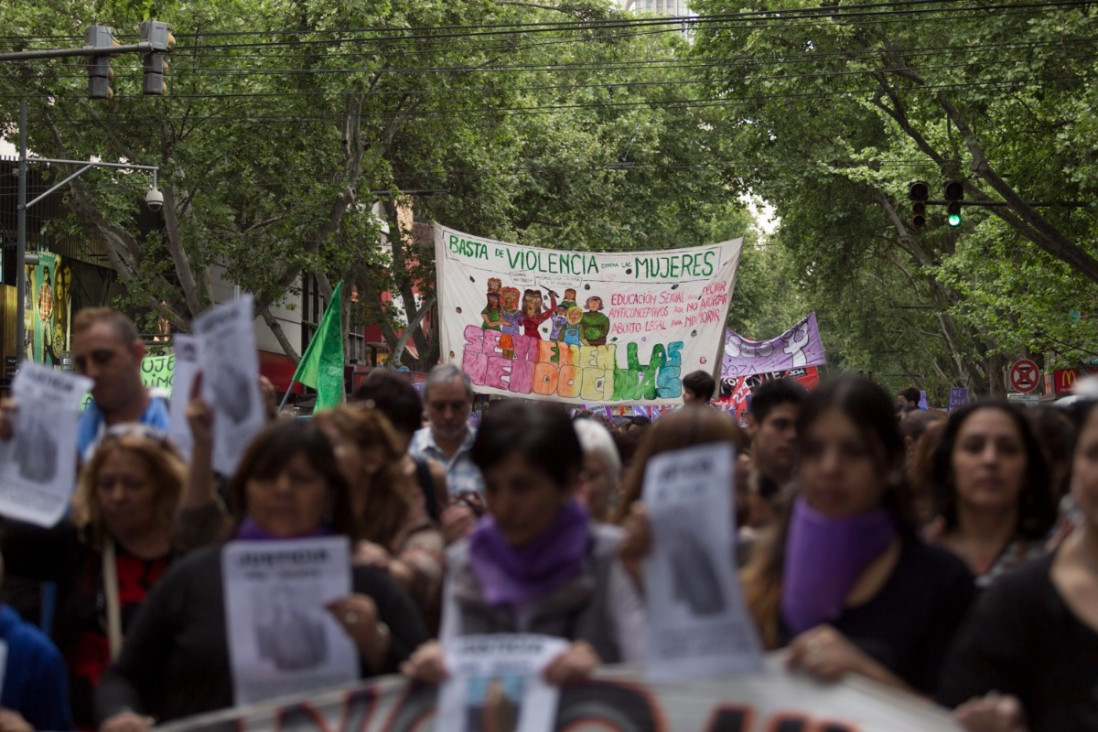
(953, 556)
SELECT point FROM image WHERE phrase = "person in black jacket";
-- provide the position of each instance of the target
(176, 660)
(1025, 657)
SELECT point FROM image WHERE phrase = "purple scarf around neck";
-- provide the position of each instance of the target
(824, 557)
(510, 575)
(249, 530)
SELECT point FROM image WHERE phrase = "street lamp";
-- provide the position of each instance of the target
(154, 199)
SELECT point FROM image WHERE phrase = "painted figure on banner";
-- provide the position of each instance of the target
(594, 326)
(491, 312)
(571, 333)
(569, 300)
(534, 314)
(558, 323)
(512, 321)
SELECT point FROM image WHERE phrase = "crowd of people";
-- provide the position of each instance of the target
(951, 556)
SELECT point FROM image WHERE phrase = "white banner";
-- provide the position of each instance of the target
(582, 327)
(615, 699)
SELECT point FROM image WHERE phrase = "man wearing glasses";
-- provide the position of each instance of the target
(448, 438)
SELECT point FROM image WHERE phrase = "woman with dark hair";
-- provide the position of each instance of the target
(1024, 658)
(992, 495)
(845, 581)
(536, 563)
(176, 659)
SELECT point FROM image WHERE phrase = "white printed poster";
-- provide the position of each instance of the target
(697, 622)
(230, 378)
(186, 368)
(38, 464)
(582, 327)
(496, 683)
(282, 638)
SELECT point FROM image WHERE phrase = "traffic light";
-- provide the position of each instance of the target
(155, 62)
(100, 72)
(954, 194)
(918, 192)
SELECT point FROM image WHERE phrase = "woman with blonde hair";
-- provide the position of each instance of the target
(117, 543)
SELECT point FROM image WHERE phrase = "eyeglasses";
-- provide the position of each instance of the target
(134, 429)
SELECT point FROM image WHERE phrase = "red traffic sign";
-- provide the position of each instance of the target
(1024, 375)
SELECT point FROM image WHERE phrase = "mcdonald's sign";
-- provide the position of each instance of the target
(1063, 380)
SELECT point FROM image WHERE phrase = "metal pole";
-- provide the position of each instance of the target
(21, 233)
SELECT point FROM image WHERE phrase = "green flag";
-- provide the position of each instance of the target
(321, 366)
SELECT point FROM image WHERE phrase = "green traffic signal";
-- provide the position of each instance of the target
(954, 194)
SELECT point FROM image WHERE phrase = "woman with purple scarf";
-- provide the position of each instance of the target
(536, 563)
(846, 581)
(176, 659)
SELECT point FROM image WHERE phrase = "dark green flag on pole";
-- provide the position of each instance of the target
(321, 366)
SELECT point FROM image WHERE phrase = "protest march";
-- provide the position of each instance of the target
(602, 509)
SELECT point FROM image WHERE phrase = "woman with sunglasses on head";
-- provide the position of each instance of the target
(396, 532)
(1025, 658)
(107, 555)
(176, 659)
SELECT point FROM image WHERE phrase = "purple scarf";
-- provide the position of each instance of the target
(514, 574)
(251, 531)
(824, 557)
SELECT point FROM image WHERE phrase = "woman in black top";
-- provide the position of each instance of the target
(845, 582)
(176, 659)
(1025, 659)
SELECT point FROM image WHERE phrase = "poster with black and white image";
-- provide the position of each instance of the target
(282, 639)
(186, 368)
(496, 683)
(230, 378)
(38, 464)
(697, 622)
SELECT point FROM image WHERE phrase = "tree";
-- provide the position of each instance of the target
(286, 122)
(837, 108)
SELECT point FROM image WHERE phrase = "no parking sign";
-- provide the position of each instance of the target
(1024, 375)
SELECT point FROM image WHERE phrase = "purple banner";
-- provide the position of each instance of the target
(958, 397)
(798, 347)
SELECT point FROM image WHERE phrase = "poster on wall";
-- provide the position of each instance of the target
(47, 309)
(582, 327)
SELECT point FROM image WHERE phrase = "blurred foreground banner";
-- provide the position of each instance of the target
(616, 700)
(598, 328)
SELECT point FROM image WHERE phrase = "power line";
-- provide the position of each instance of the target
(875, 12)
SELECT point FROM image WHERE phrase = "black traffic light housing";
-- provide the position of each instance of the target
(918, 192)
(155, 62)
(100, 72)
(954, 195)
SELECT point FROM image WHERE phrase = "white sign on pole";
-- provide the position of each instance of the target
(38, 464)
(282, 638)
(698, 623)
